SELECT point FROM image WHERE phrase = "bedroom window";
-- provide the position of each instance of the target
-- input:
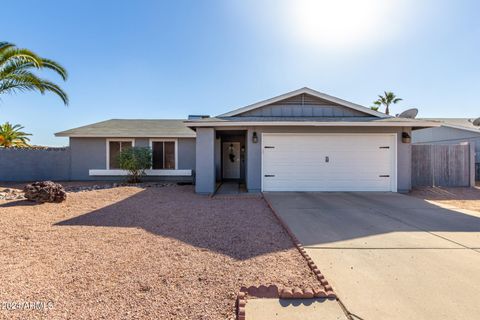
(163, 154)
(114, 149)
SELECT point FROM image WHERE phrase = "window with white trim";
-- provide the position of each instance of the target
(114, 149)
(163, 155)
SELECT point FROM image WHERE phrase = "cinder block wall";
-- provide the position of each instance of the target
(34, 164)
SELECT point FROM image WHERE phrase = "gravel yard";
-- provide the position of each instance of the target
(133, 253)
(463, 198)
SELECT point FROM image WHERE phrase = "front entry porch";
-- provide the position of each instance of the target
(221, 161)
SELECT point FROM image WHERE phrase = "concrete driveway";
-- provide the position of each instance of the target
(389, 256)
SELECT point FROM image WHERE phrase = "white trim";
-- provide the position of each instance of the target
(107, 160)
(150, 172)
(309, 91)
(394, 136)
(165, 140)
(227, 123)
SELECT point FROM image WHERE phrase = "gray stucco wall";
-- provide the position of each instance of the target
(205, 164)
(87, 153)
(34, 164)
(446, 135)
(90, 153)
(254, 152)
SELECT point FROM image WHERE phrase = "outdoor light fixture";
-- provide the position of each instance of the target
(254, 137)
(406, 137)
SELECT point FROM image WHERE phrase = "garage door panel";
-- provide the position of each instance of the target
(322, 162)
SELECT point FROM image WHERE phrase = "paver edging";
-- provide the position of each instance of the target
(303, 252)
(324, 290)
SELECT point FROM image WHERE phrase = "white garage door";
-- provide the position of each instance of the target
(328, 162)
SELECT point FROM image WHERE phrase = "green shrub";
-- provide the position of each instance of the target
(135, 160)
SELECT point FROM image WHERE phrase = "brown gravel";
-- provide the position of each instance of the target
(131, 253)
(463, 198)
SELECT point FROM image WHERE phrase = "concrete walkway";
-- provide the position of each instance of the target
(390, 256)
(304, 309)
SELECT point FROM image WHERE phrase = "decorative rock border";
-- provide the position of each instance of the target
(117, 185)
(18, 194)
(324, 290)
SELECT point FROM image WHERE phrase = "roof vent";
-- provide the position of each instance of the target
(197, 116)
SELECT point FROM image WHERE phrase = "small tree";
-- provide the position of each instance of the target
(135, 160)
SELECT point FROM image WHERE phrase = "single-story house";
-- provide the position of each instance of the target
(452, 131)
(303, 140)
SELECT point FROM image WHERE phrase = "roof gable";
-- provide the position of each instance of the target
(304, 102)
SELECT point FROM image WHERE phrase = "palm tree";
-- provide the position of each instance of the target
(16, 66)
(11, 136)
(386, 100)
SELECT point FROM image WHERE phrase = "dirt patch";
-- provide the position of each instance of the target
(132, 253)
(463, 198)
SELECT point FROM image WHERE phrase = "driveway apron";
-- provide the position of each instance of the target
(389, 256)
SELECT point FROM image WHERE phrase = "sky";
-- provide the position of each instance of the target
(168, 59)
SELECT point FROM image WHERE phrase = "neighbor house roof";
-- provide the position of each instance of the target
(457, 123)
(171, 128)
(308, 91)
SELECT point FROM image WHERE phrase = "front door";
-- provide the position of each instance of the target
(231, 160)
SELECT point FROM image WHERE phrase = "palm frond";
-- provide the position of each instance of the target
(20, 54)
(16, 76)
(52, 87)
(55, 66)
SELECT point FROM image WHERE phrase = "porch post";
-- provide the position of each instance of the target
(205, 161)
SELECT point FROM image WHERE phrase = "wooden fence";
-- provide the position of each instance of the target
(443, 165)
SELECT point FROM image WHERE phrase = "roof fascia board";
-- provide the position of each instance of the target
(311, 123)
(61, 134)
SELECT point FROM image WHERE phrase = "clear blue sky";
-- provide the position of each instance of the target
(159, 59)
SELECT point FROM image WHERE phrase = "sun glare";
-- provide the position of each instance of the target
(342, 24)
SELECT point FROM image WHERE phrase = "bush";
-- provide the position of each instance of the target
(135, 160)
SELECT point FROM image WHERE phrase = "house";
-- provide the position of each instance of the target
(303, 140)
(452, 131)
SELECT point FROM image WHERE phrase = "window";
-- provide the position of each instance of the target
(114, 149)
(163, 155)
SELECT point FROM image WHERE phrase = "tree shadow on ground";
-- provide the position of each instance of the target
(239, 228)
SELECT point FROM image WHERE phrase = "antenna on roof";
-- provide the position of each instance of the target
(476, 122)
(410, 113)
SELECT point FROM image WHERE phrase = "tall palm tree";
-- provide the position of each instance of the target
(386, 100)
(11, 136)
(16, 66)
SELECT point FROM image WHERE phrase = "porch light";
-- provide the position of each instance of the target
(254, 137)
(406, 137)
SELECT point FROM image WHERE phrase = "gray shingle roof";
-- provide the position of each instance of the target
(171, 128)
